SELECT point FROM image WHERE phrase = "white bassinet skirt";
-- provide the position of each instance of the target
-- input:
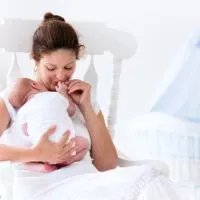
(131, 183)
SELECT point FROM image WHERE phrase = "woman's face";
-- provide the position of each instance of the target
(57, 66)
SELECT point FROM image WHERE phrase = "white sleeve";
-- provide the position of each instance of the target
(96, 107)
(6, 137)
(12, 111)
(21, 117)
(95, 104)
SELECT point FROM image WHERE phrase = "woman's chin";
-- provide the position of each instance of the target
(51, 88)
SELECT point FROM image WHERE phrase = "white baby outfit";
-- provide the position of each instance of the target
(42, 112)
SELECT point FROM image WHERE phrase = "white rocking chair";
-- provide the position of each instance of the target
(15, 37)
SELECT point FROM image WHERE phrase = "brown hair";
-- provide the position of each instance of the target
(53, 34)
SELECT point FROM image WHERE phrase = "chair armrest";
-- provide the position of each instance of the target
(123, 160)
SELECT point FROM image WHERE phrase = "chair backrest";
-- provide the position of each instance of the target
(16, 37)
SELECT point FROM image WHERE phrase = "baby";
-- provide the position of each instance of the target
(39, 109)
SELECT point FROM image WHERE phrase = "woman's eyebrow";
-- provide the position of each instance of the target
(51, 64)
(64, 65)
(70, 63)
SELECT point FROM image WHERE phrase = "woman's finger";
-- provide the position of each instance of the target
(72, 142)
(68, 83)
(75, 88)
(69, 152)
(68, 146)
(78, 156)
(64, 139)
(49, 132)
(67, 155)
(73, 83)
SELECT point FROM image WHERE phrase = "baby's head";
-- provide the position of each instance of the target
(23, 90)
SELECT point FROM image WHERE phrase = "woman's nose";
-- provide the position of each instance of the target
(61, 76)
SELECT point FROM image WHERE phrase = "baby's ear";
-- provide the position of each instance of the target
(34, 85)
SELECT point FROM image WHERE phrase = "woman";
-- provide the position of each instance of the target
(55, 50)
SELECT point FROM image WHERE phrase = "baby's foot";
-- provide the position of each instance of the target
(61, 88)
(40, 167)
(49, 168)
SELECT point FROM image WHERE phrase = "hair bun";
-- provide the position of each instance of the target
(49, 17)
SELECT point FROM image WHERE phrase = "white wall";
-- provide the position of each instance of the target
(160, 28)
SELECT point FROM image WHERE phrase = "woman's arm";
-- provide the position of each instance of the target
(103, 150)
(9, 153)
(44, 151)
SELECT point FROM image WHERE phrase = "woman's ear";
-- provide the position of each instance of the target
(36, 71)
(81, 51)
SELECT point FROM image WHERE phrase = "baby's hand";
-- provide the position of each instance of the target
(61, 88)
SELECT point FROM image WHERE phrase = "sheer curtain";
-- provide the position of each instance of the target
(180, 94)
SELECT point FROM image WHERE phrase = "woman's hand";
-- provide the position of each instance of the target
(51, 152)
(79, 91)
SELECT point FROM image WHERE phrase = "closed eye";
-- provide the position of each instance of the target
(50, 68)
(69, 66)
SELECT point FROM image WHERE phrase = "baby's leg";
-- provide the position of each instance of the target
(40, 167)
(81, 144)
(82, 147)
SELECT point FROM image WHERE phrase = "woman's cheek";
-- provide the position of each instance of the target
(49, 83)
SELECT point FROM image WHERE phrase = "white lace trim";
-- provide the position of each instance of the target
(126, 189)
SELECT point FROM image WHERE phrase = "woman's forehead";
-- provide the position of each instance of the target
(60, 57)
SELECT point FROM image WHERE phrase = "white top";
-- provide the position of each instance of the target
(13, 137)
